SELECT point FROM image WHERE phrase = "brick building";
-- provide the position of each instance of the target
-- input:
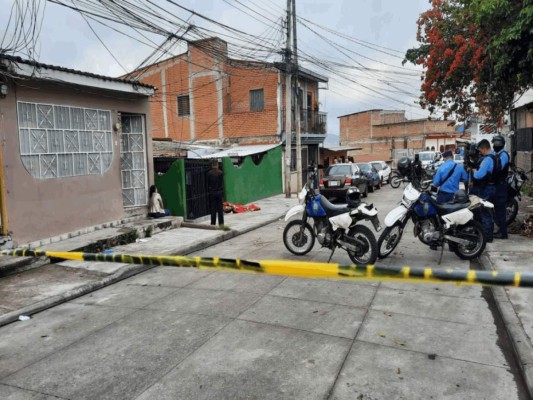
(207, 97)
(386, 135)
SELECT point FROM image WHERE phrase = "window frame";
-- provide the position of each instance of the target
(181, 114)
(252, 109)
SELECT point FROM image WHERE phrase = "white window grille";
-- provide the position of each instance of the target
(133, 161)
(63, 141)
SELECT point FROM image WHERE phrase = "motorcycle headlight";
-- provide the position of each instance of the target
(406, 202)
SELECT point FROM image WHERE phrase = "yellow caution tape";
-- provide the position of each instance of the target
(302, 269)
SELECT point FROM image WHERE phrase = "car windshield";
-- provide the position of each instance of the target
(365, 167)
(426, 156)
(339, 170)
(377, 166)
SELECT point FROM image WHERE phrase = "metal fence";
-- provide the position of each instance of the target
(196, 188)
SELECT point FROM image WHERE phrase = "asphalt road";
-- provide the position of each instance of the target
(185, 334)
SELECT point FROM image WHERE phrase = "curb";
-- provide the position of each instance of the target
(518, 337)
(125, 273)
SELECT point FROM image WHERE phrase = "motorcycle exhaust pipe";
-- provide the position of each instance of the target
(457, 240)
(349, 243)
(346, 245)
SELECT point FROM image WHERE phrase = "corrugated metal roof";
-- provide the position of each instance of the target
(242, 151)
(36, 64)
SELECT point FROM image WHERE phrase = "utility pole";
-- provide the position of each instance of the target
(297, 103)
(288, 104)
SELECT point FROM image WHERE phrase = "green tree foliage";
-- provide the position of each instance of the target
(477, 55)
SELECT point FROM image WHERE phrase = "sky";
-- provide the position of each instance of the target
(67, 40)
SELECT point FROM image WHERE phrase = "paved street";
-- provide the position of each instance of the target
(172, 333)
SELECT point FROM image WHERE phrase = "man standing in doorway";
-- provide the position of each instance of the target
(215, 182)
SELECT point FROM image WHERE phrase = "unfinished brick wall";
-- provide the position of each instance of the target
(379, 132)
(219, 92)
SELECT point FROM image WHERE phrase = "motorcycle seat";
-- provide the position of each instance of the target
(448, 208)
(333, 209)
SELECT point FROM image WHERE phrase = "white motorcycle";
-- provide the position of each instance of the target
(333, 226)
(436, 224)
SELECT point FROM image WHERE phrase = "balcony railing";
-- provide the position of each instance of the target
(310, 121)
(313, 121)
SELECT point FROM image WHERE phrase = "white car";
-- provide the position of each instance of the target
(384, 170)
(429, 157)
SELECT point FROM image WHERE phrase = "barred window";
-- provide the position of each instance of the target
(257, 101)
(184, 106)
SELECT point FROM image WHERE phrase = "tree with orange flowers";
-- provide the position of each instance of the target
(477, 56)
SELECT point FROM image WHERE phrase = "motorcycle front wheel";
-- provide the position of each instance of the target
(389, 239)
(368, 252)
(511, 210)
(474, 232)
(298, 237)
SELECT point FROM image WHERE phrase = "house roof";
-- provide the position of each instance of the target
(242, 151)
(360, 112)
(36, 70)
(341, 148)
(524, 100)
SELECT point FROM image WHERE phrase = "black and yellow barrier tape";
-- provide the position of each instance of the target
(301, 269)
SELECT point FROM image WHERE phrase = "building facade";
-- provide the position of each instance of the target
(206, 97)
(387, 135)
(76, 149)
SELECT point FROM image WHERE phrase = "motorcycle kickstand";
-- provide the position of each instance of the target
(331, 255)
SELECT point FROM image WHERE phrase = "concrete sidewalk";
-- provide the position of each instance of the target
(49, 285)
(514, 304)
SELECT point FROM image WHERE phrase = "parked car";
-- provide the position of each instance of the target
(338, 178)
(429, 157)
(384, 170)
(372, 176)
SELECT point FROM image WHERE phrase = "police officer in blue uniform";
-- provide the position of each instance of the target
(484, 186)
(500, 197)
(448, 177)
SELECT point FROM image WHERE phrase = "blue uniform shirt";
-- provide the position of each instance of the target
(452, 184)
(485, 168)
(504, 157)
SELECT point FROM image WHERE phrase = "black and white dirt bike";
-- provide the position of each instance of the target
(515, 180)
(436, 224)
(333, 226)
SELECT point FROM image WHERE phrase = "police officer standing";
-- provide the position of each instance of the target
(484, 187)
(500, 197)
(448, 177)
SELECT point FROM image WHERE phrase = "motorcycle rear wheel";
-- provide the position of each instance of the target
(298, 237)
(511, 210)
(473, 230)
(395, 181)
(389, 239)
(369, 253)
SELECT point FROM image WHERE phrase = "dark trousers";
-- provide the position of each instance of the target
(500, 207)
(215, 203)
(444, 197)
(484, 215)
(166, 213)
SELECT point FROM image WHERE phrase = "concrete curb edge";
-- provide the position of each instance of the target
(122, 274)
(518, 336)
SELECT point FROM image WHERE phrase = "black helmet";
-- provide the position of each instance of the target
(472, 152)
(404, 164)
(498, 142)
(353, 197)
(460, 196)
